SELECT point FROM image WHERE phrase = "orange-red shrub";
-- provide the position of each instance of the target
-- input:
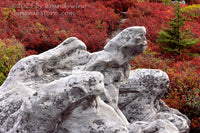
(150, 15)
(41, 25)
(118, 5)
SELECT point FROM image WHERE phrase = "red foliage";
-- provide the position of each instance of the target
(191, 2)
(154, 16)
(157, 1)
(42, 25)
(151, 15)
(118, 5)
(30, 52)
(194, 26)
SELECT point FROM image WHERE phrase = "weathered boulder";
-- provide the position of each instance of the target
(112, 62)
(68, 89)
(140, 102)
(42, 109)
(93, 116)
(54, 91)
(157, 126)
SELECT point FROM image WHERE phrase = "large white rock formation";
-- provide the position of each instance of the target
(69, 90)
(139, 100)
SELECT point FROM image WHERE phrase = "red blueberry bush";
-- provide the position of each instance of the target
(118, 5)
(150, 15)
(42, 25)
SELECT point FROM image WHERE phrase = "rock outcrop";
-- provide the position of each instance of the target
(140, 102)
(68, 89)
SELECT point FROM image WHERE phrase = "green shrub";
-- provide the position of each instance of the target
(11, 51)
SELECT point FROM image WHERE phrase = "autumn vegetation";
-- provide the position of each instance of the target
(31, 27)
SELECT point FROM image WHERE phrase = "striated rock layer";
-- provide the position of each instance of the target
(69, 90)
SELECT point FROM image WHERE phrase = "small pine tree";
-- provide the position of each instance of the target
(173, 39)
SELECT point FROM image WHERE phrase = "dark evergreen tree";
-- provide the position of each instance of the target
(173, 39)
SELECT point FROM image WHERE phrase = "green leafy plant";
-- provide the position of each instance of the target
(11, 51)
(173, 39)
